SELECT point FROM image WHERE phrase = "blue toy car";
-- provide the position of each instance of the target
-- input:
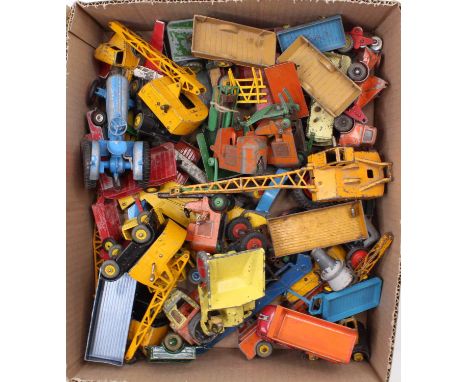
(116, 155)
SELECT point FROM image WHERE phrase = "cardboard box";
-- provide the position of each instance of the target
(86, 28)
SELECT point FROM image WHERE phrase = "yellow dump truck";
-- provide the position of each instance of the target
(231, 282)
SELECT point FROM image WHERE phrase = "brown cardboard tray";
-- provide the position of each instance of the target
(86, 28)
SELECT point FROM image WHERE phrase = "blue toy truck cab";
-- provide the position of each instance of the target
(119, 155)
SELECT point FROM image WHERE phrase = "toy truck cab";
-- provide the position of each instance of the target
(343, 173)
(361, 349)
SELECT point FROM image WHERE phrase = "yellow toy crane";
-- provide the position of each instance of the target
(289, 179)
(159, 269)
(98, 260)
(161, 287)
(173, 98)
(184, 76)
(332, 175)
(375, 254)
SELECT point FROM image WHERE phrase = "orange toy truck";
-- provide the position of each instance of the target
(313, 335)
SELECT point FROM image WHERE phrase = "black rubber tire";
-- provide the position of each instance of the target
(86, 155)
(106, 275)
(263, 354)
(91, 97)
(192, 276)
(173, 342)
(230, 233)
(134, 87)
(143, 217)
(138, 240)
(115, 251)
(224, 200)
(196, 331)
(343, 123)
(348, 45)
(358, 72)
(99, 117)
(108, 242)
(146, 166)
(244, 242)
(261, 166)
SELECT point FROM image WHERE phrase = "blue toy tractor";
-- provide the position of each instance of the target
(116, 155)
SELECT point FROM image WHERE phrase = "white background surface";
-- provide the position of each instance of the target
(434, 206)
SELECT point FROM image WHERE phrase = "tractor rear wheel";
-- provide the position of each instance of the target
(89, 170)
(145, 167)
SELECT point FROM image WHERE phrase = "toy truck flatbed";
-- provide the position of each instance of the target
(110, 321)
(326, 34)
(333, 90)
(320, 228)
(222, 40)
(355, 299)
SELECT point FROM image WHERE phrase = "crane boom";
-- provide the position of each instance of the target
(290, 179)
(378, 250)
(184, 76)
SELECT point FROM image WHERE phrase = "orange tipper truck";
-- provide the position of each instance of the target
(321, 338)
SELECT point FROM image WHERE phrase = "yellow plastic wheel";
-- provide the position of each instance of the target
(137, 121)
(358, 357)
(264, 349)
(115, 251)
(108, 243)
(110, 269)
(141, 234)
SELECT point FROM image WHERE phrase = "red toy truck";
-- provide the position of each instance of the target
(315, 336)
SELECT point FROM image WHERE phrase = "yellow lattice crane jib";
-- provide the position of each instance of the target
(184, 76)
(287, 180)
(161, 288)
(375, 254)
(97, 245)
(249, 89)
